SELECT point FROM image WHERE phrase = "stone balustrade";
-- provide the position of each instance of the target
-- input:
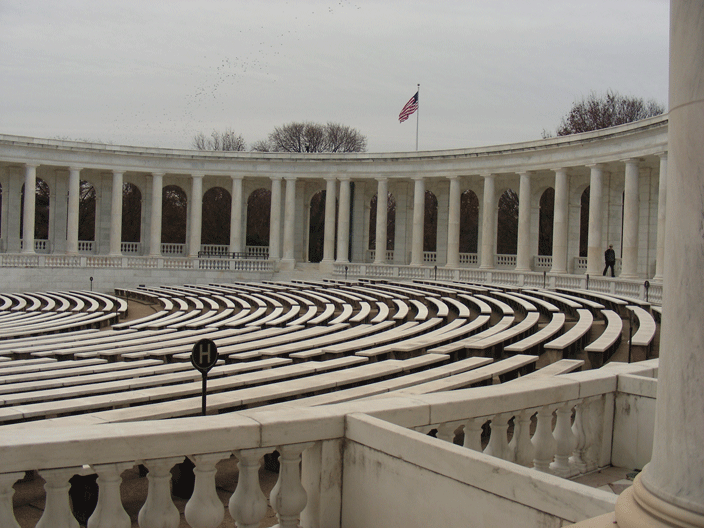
(584, 407)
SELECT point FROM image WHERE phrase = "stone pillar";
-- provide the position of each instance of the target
(418, 222)
(595, 250)
(382, 220)
(631, 208)
(196, 219)
(488, 223)
(560, 223)
(275, 220)
(669, 491)
(116, 214)
(74, 191)
(523, 244)
(662, 204)
(453, 224)
(155, 222)
(30, 197)
(236, 245)
(343, 222)
(329, 235)
(289, 262)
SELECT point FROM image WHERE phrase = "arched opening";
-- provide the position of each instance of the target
(131, 213)
(545, 221)
(469, 222)
(174, 215)
(390, 222)
(41, 211)
(316, 227)
(507, 224)
(258, 217)
(584, 224)
(86, 211)
(430, 225)
(216, 217)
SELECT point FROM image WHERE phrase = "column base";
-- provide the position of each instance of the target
(326, 266)
(639, 508)
(286, 265)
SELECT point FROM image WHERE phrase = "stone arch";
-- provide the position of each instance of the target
(469, 222)
(41, 211)
(174, 215)
(216, 217)
(258, 217)
(545, 221)
(390, 222)
(87, 201)
(584, 223)
(507, 223)
(131, 213)
(430, 223)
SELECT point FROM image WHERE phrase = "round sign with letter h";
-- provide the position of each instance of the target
(204, 355)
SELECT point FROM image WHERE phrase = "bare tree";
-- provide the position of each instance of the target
(313, 137)
(597, 112)
(227, 140)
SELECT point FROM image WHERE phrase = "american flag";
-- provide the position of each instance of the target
(411, 106)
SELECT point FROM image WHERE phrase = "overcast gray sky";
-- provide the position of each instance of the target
(153, 73)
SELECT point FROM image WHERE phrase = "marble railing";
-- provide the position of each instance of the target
(626, 288)
(134, 262)
(86, 246)
(470, 259)
(505, 261)
(581, 406)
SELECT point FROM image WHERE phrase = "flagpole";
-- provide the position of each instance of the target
(417, 117)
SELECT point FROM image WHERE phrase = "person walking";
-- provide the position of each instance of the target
(610, 258)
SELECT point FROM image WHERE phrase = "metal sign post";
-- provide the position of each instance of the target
(203, 357)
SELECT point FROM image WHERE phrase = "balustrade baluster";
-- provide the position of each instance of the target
(520, 444)
(543, 441)
(577, 459)
(473, 434)
(498, 440)
(205, 509)
(564, 441)
(57, 510)
(159, 510)
(109, 513)
(248, 503)
(7, 515)
(446, 431)
(288, 498)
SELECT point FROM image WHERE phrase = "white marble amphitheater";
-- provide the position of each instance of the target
(441, 382)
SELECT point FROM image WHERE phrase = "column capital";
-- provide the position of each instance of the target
(275, 177)
(158, 174)
(381, 178)
(344, 178)
(453, 177)
(559, 169)
(595, 166)
(662, 155)
(631, 161)
(290, 178)
(236, 177)
(118, 171)
(487, 175)
(525, 173)
(195, 175)
(74, 168)
(417, 178)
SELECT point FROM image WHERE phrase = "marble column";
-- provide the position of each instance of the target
(343, 222)
(631, 209)
(560, 223)
(488, 222)
(662, 205)
(418, 222)
(453, 224)
(595, 249)
(382, 220)
(116, 214)
(275, 220)
(30, 197)
(236, 245)
(196, 219)
(669, 490)
(329, 234)
(523, 243)
(289, 262)
(155, 221)
(74, 191)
